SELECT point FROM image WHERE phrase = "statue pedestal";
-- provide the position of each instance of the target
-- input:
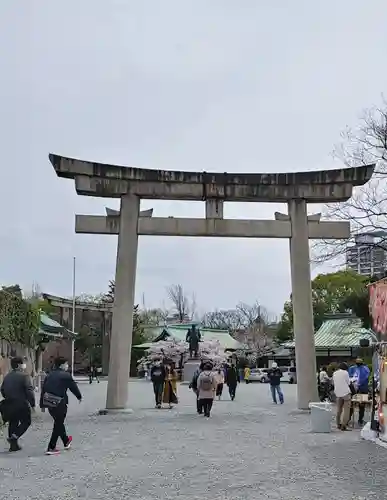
(189, 369)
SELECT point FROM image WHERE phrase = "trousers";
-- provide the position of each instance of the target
(276, 389)
(206, 406)
(232, 391)
(343, 406)
(59, 430)
(20, 419)
(158, 388)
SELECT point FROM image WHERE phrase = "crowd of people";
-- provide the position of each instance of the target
(19, 399)
(344, 383)
(207, 383)
(19, 402)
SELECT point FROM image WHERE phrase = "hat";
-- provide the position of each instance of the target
(274, 365)
(359, 360)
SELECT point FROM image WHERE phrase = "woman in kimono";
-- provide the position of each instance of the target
(170, 385)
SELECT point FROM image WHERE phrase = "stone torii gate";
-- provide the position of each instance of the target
(131, 184)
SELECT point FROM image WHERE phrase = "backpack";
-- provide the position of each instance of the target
(206, 382)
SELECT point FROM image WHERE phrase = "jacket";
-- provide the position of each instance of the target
(203, 394)
(359, 375)
(194, 382)
(232, 376)
(17, 386)
(57, 383)
(158, 374)
(274, 375)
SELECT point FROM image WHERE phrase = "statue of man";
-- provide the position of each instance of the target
(193, 338)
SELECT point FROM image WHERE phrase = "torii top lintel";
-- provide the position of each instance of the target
(114, 181)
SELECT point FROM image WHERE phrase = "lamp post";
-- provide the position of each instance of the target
(73, 323)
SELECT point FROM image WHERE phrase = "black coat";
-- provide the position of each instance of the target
(17, 386)
(232, 376)
(274, 375)
(57, 383)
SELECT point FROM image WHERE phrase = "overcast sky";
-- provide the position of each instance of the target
(220, 85)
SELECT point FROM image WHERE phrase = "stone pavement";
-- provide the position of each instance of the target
(249, 449)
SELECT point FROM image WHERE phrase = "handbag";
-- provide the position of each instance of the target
(51, 401)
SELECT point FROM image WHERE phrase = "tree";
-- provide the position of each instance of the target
(19, 320)
(89, 298)
(248, 323)
(359, 303)
(184, 307)
(228, 319)
(285, 326)
(367, 209)
(154, 317)
(330, 293)
(138, 338)
(109, 296)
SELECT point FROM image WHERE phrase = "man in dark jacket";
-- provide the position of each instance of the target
(19, 398)
(54, 397)
(194, 386)
(158, 379)
(232, 379)
(274, 375)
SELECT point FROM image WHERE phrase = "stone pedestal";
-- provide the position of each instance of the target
(302, 306)
(190, 367)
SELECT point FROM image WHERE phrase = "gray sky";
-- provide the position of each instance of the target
(213, 85)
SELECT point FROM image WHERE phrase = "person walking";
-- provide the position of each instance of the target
(194, 386)
(96, 373)
(158, 378)
(274, 375)
(342, 388)
(246, 374)
(324, 384)
(54, 398)
(91, 374)
(170, 385)
(232, 380)
(219, 377)
(19, 397)
(206, 386)
(359, 374)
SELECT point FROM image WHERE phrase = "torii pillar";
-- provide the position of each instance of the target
(132, 184)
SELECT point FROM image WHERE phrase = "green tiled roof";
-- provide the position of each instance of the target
(339, 333)
(48, 325)
(179, 332)
(52, 328)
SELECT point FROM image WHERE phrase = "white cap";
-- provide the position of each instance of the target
(274, 365)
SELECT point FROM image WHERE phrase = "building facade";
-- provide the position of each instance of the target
(96, 318)
(366, 257)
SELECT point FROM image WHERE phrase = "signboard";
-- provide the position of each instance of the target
(378, 306)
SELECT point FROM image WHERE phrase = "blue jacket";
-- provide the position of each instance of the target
(361, 373)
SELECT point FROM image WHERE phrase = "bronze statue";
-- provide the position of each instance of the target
(193, 338)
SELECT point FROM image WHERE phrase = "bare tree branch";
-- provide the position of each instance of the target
(183, 307)
(247, 323)
(367, 209)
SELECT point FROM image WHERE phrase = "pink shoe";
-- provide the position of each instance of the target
(68, 445)
(52, 452)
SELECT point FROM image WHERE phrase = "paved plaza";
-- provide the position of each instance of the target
(249, 449)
